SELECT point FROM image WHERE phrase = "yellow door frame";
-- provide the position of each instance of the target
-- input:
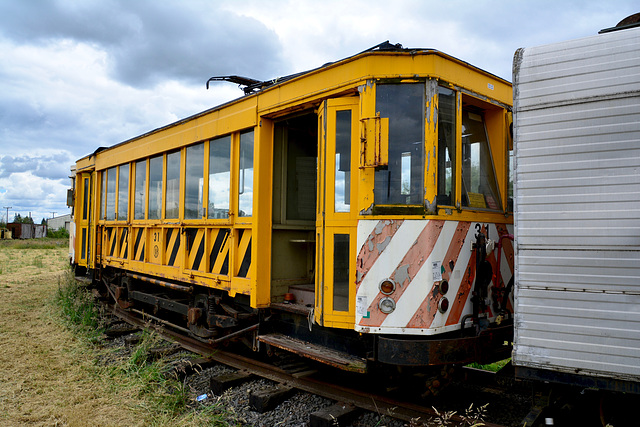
(331, 309)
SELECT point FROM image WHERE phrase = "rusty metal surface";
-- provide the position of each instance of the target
(411, 352)
(316, 352)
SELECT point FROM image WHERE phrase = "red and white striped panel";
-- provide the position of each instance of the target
(417, 255)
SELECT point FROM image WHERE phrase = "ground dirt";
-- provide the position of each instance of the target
(48, 377)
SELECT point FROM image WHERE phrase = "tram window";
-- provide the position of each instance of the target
(123, 192)
(343, 161)
(446, 146)
(140, 189)
(111, 194)
(173, 186)
(245, 180)
(155, 187)
(479, 188)
(194, 181)
(341, 272)
(219, 177)
(103, 193)
(403, 104)
(85, 198)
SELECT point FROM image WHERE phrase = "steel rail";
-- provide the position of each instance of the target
(368, 401)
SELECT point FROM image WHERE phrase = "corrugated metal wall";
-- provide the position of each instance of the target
(577, 173)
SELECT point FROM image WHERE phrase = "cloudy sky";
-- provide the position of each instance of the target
(79, 74)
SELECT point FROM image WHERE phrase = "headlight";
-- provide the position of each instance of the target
(443, 305)
(387, 305)
(387, 286)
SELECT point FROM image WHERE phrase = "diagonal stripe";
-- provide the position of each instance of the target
(424, 315)
(112, 240)
(406, 269)
(124, 242)
(137, 248)
(197, 250)
(374, 245)
(173, 244)
(219, 250)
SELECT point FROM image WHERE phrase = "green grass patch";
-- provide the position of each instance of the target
(77, 307)
(493, 367)
(161, 397)
(44, 243)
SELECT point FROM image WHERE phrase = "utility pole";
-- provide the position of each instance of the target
(53, 214)
(7, 208)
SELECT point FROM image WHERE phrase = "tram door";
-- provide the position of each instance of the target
(336, 219)
(83, 216)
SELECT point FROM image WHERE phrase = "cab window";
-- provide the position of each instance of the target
(479, 186)
(401, 182)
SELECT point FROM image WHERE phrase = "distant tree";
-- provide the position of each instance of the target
(43, 222)
(18, 219)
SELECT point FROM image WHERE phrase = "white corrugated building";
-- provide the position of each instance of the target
(59, 221)
(577, 214)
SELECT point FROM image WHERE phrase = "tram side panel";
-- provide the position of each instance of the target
(577, 145)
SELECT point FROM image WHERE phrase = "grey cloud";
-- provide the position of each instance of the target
(149, 41)
(54, 166)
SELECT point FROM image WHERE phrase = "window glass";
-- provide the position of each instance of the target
(341, 272)
(401, 182)
(83, 250)
(219, 177)
(343, 161)
(155, 187)
(173, 186)
(140, 189)
(123, 193)
(245, 180)
(479, 188)
(446, 146)
(103, 193)
(194, 182)
(85, 198)
(111, 194)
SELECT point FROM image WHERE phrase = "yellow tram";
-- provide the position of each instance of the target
(360, 211)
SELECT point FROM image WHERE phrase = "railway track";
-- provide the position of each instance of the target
(347, 397)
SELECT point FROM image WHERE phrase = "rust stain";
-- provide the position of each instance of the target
(375, 244)
(415, 256)
(423, 318)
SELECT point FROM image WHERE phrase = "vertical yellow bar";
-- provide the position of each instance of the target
(260, 272)
(366, 175)
(458, 168)
(431, 147)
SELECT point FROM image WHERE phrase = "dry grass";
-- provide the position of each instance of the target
(48, 375)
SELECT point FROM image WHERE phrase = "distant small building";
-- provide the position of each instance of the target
(27, 231)
(59, 221)
(5, 233)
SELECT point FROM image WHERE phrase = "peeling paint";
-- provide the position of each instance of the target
(383, 245)
(430, 206)
(402, 274)
(367, 211)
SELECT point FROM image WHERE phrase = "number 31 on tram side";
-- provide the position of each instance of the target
(357, 214)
